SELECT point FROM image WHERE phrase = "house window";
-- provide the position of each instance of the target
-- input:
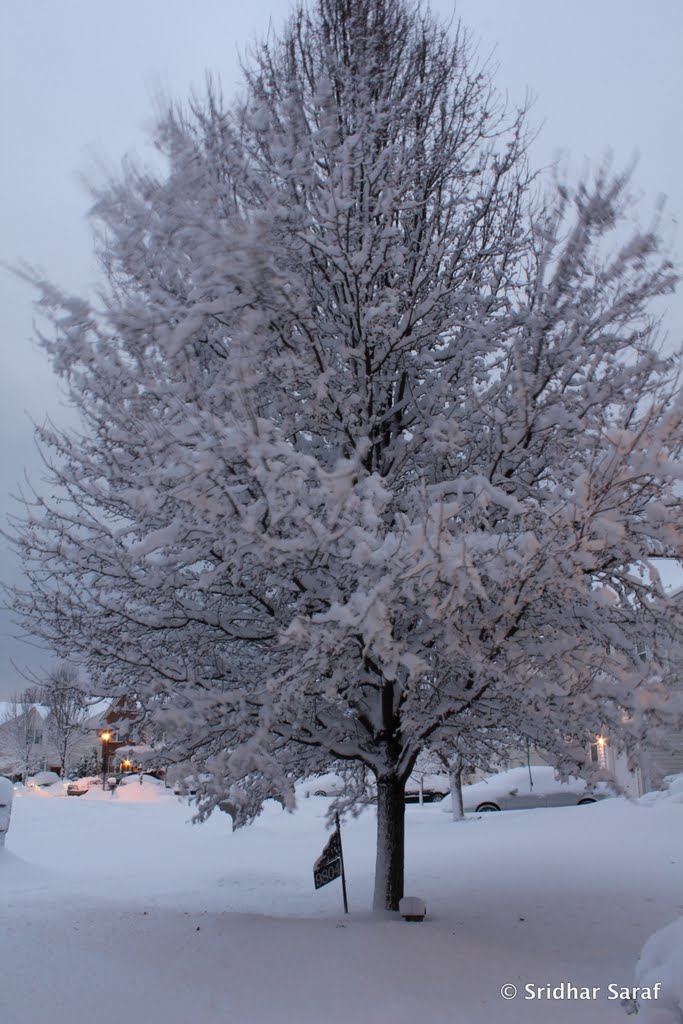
(599, 752)
(642, 650)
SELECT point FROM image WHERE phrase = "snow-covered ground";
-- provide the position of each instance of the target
(116, 908)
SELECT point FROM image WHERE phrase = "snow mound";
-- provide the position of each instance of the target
(131, 792)
(661, 961)
(673, 793)
(6, 795)
(41, 792)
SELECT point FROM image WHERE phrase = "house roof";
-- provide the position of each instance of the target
(670, 574)
(8, 709)
(95, 711)
(99, 707)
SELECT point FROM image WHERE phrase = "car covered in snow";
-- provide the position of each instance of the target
(537, 786)
(43, 780)
(80, 786)
(328, 784)
(427, 787)
(185, 787)
(188, 785)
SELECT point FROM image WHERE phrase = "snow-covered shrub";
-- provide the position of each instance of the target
(6, 796)
(661, 962)
(673, 791)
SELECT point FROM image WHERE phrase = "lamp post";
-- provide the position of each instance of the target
(105, 736)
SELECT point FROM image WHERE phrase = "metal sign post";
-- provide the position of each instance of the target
(330, 863)
(341, 858)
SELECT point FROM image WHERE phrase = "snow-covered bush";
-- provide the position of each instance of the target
(672, 792)
(661, 962)
(6, 797)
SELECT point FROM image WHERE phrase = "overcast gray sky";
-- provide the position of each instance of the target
(77, 82)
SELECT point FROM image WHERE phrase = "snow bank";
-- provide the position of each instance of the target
(6, 796)
(661, 962)
(131, 790)
(673, 793)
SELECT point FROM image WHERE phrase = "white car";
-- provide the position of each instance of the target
(432, 786)
(188, 785)
(329, 784)
(43, 780)
(519, 788)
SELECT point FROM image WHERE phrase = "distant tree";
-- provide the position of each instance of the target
(32, 694)
(486, 747)
(376, 446)
(89, 764)
(21, 735)
(67, 705)
(427, 763)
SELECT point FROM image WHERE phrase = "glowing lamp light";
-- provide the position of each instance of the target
(601, 744)
(105, 736)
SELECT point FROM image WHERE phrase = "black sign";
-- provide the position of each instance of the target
(328, 865)
(326, 872)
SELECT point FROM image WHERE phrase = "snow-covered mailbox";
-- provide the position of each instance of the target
(6, 794)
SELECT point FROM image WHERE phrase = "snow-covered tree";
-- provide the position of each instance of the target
(67, 705)
(376, 445)
(21, 735)
(88, 764)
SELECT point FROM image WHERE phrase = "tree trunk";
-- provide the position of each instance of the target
(390, 843)
(456, 789)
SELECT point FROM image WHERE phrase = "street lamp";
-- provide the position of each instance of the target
(601, 744)
(105, 737)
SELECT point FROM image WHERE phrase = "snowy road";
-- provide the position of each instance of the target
(116, 909)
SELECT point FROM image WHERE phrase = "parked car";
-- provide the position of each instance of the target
(43, 780)
(188, 785)
(80, 786)
(184, 788)
(329, 784)
(434, 787)
(519, 788)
